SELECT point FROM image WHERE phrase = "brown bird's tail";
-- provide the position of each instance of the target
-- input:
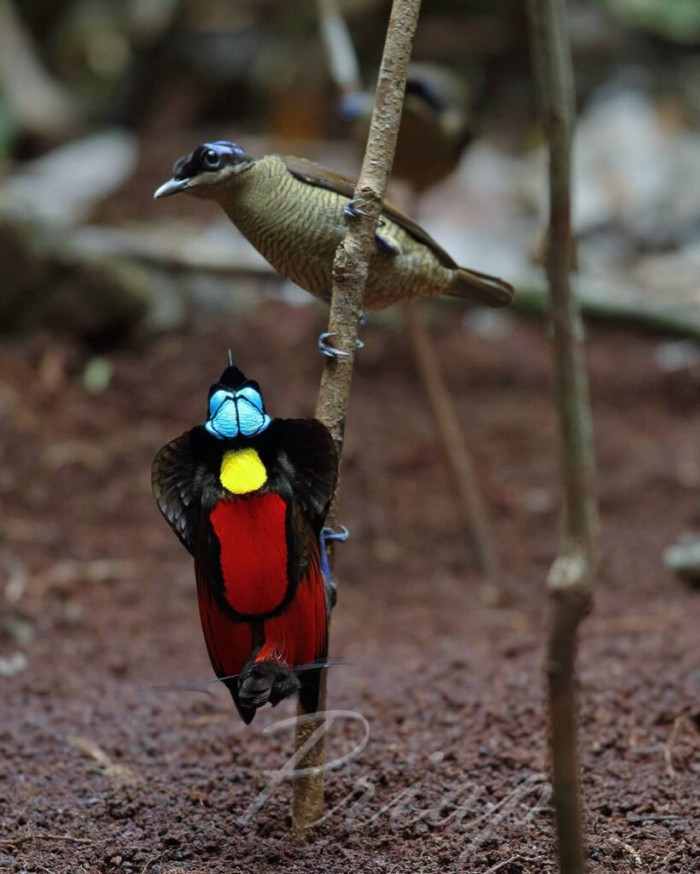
(481, 288)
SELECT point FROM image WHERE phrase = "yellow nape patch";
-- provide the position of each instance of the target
(242, 471)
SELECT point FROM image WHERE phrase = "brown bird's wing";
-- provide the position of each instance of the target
(178, 481)
(322, 177)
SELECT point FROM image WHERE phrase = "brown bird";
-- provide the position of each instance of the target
(295, 212)
(436, 124)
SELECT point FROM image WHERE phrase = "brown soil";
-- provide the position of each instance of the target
(103, 770)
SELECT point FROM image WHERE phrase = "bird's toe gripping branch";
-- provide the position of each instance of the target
(352, 211)
(389, 246)
(331, 351)
(326, 535)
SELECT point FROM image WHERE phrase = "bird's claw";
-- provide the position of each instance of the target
(341, 536)
(387, 244)
(352, 211)
(331, 351)
(326, 535)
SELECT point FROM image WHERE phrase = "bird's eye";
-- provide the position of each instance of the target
(211, 159)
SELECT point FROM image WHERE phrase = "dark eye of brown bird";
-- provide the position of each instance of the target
(211, 160)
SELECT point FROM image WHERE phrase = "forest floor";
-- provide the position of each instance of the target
(103, 768)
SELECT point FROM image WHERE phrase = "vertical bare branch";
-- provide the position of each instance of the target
(571, 578)
(36, 103)
(344, 67)
(340, 52)
(350, 270)
(455, 445)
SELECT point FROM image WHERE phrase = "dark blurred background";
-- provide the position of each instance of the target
(97, 100)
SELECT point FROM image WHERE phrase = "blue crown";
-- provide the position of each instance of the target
(236, 413)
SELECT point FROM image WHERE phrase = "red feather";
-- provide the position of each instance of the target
(253, 557)
(229, 642)
(299, 633)
(253, 540)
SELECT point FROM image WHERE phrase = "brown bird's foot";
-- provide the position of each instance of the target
(352, 211)
(331, 351)
(266, 681)
(385, 243)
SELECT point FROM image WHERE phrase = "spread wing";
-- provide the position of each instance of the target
(322, 177)
(309, 460)
(178, 481)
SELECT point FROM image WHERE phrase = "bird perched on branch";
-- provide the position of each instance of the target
(248, 495)
(295, 212)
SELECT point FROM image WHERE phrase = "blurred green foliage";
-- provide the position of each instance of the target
(678, 20)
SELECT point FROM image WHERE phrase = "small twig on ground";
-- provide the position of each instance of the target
(48, 836)
(350, 270)
(629, 850)
(678, 723)
(108, 767)
(148, 863)
(499, 865)
(571, 578)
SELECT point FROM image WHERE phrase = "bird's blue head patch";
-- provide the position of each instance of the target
(236, 407)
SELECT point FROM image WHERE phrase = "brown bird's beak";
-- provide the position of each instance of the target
(172, 186)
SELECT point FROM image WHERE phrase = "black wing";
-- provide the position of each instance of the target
(322, 177)
(178, 481)
(309, 459)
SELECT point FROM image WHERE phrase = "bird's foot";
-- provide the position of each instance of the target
(352, 211)
(326, 535)
(331, 351)
(269, 680)
(388, 246)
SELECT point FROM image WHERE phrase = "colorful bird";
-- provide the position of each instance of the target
(248, 496)
(295, 212)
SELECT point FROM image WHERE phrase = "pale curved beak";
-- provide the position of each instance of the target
(172, 186)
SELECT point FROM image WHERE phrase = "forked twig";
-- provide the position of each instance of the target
(349, 279)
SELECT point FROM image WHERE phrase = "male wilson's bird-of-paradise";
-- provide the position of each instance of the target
(295, 212)
(248, 495)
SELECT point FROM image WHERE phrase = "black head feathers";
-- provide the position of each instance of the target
(208, 158)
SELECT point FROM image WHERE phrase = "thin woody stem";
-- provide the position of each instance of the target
(571, 578)
(454, 441)
(350, 270)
